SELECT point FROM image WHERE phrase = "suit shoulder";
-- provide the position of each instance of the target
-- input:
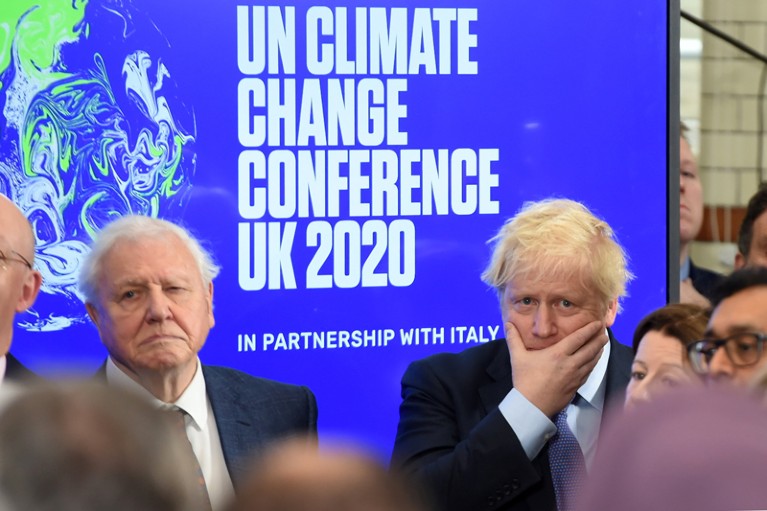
(480, 353)
(623, 349)
(704, 280)
(464, 366)
(623, 354)
(226, 376)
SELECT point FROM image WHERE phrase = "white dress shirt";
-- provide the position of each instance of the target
(584, 416)
(201, 430)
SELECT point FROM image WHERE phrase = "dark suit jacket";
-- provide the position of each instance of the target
(453, 437)
(17, 372)
(251, 413)
(704, 281)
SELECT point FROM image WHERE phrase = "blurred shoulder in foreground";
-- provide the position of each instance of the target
(694, 449)
(88, 447)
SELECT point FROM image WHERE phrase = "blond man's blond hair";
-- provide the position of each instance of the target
(559, 238)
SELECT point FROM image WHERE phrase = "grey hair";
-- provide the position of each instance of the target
(132, 228)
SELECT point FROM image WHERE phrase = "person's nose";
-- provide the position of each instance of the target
(681, 183)
(720, 366)
(543, 325)
(158, 305)
(639, 393)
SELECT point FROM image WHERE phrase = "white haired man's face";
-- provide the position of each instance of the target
(153, 310)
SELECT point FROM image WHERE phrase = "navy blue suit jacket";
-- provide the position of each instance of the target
(454, 439)
(251, 413)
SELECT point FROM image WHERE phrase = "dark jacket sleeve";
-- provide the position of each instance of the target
(466, 460)
(311, 410)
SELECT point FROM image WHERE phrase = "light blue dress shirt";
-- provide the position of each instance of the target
(584, 416)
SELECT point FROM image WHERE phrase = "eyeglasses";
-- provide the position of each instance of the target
(4, 259)
(743, 349)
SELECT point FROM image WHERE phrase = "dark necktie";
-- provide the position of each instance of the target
(567, 464)
(179, 420)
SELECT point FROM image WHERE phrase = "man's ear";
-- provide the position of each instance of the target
(612, 311)
(740, 260)
(211, 318)
(29, 289)
(93, 313)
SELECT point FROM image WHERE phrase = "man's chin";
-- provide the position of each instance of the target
(164, 361)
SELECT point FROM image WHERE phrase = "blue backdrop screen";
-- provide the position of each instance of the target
(345, 163)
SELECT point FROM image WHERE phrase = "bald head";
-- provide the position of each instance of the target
(16, 229)
(19, 283)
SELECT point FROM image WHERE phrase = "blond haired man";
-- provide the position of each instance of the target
(485, 428)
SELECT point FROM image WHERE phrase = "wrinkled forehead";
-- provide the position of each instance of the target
(571, 284)
(572, 277)
(166, 254)
(6, 244)
(16, 231)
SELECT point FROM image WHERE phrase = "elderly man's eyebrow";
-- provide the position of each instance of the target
(132, 281)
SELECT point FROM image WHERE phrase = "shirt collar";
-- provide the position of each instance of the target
(193, 400)
(593, 390)
(684, 270)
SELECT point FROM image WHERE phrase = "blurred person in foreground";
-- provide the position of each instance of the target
(87, 447)
(752, 237)
(732, 348)
(296, 477)
(512, 424)
(660, 351)
(148, 287)
(20, 282)
(696, 283)
(693, 449)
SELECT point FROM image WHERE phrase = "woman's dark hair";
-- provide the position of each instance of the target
(683, 321)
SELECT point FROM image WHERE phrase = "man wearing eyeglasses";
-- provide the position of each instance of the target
(19, 281)
(733, 348)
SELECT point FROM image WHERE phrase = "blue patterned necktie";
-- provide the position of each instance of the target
(567, 464)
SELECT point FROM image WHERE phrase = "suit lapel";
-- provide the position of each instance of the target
(618, 371)
(499, 385)
(235, 428)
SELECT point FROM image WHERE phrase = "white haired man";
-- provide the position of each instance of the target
(148, 286)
